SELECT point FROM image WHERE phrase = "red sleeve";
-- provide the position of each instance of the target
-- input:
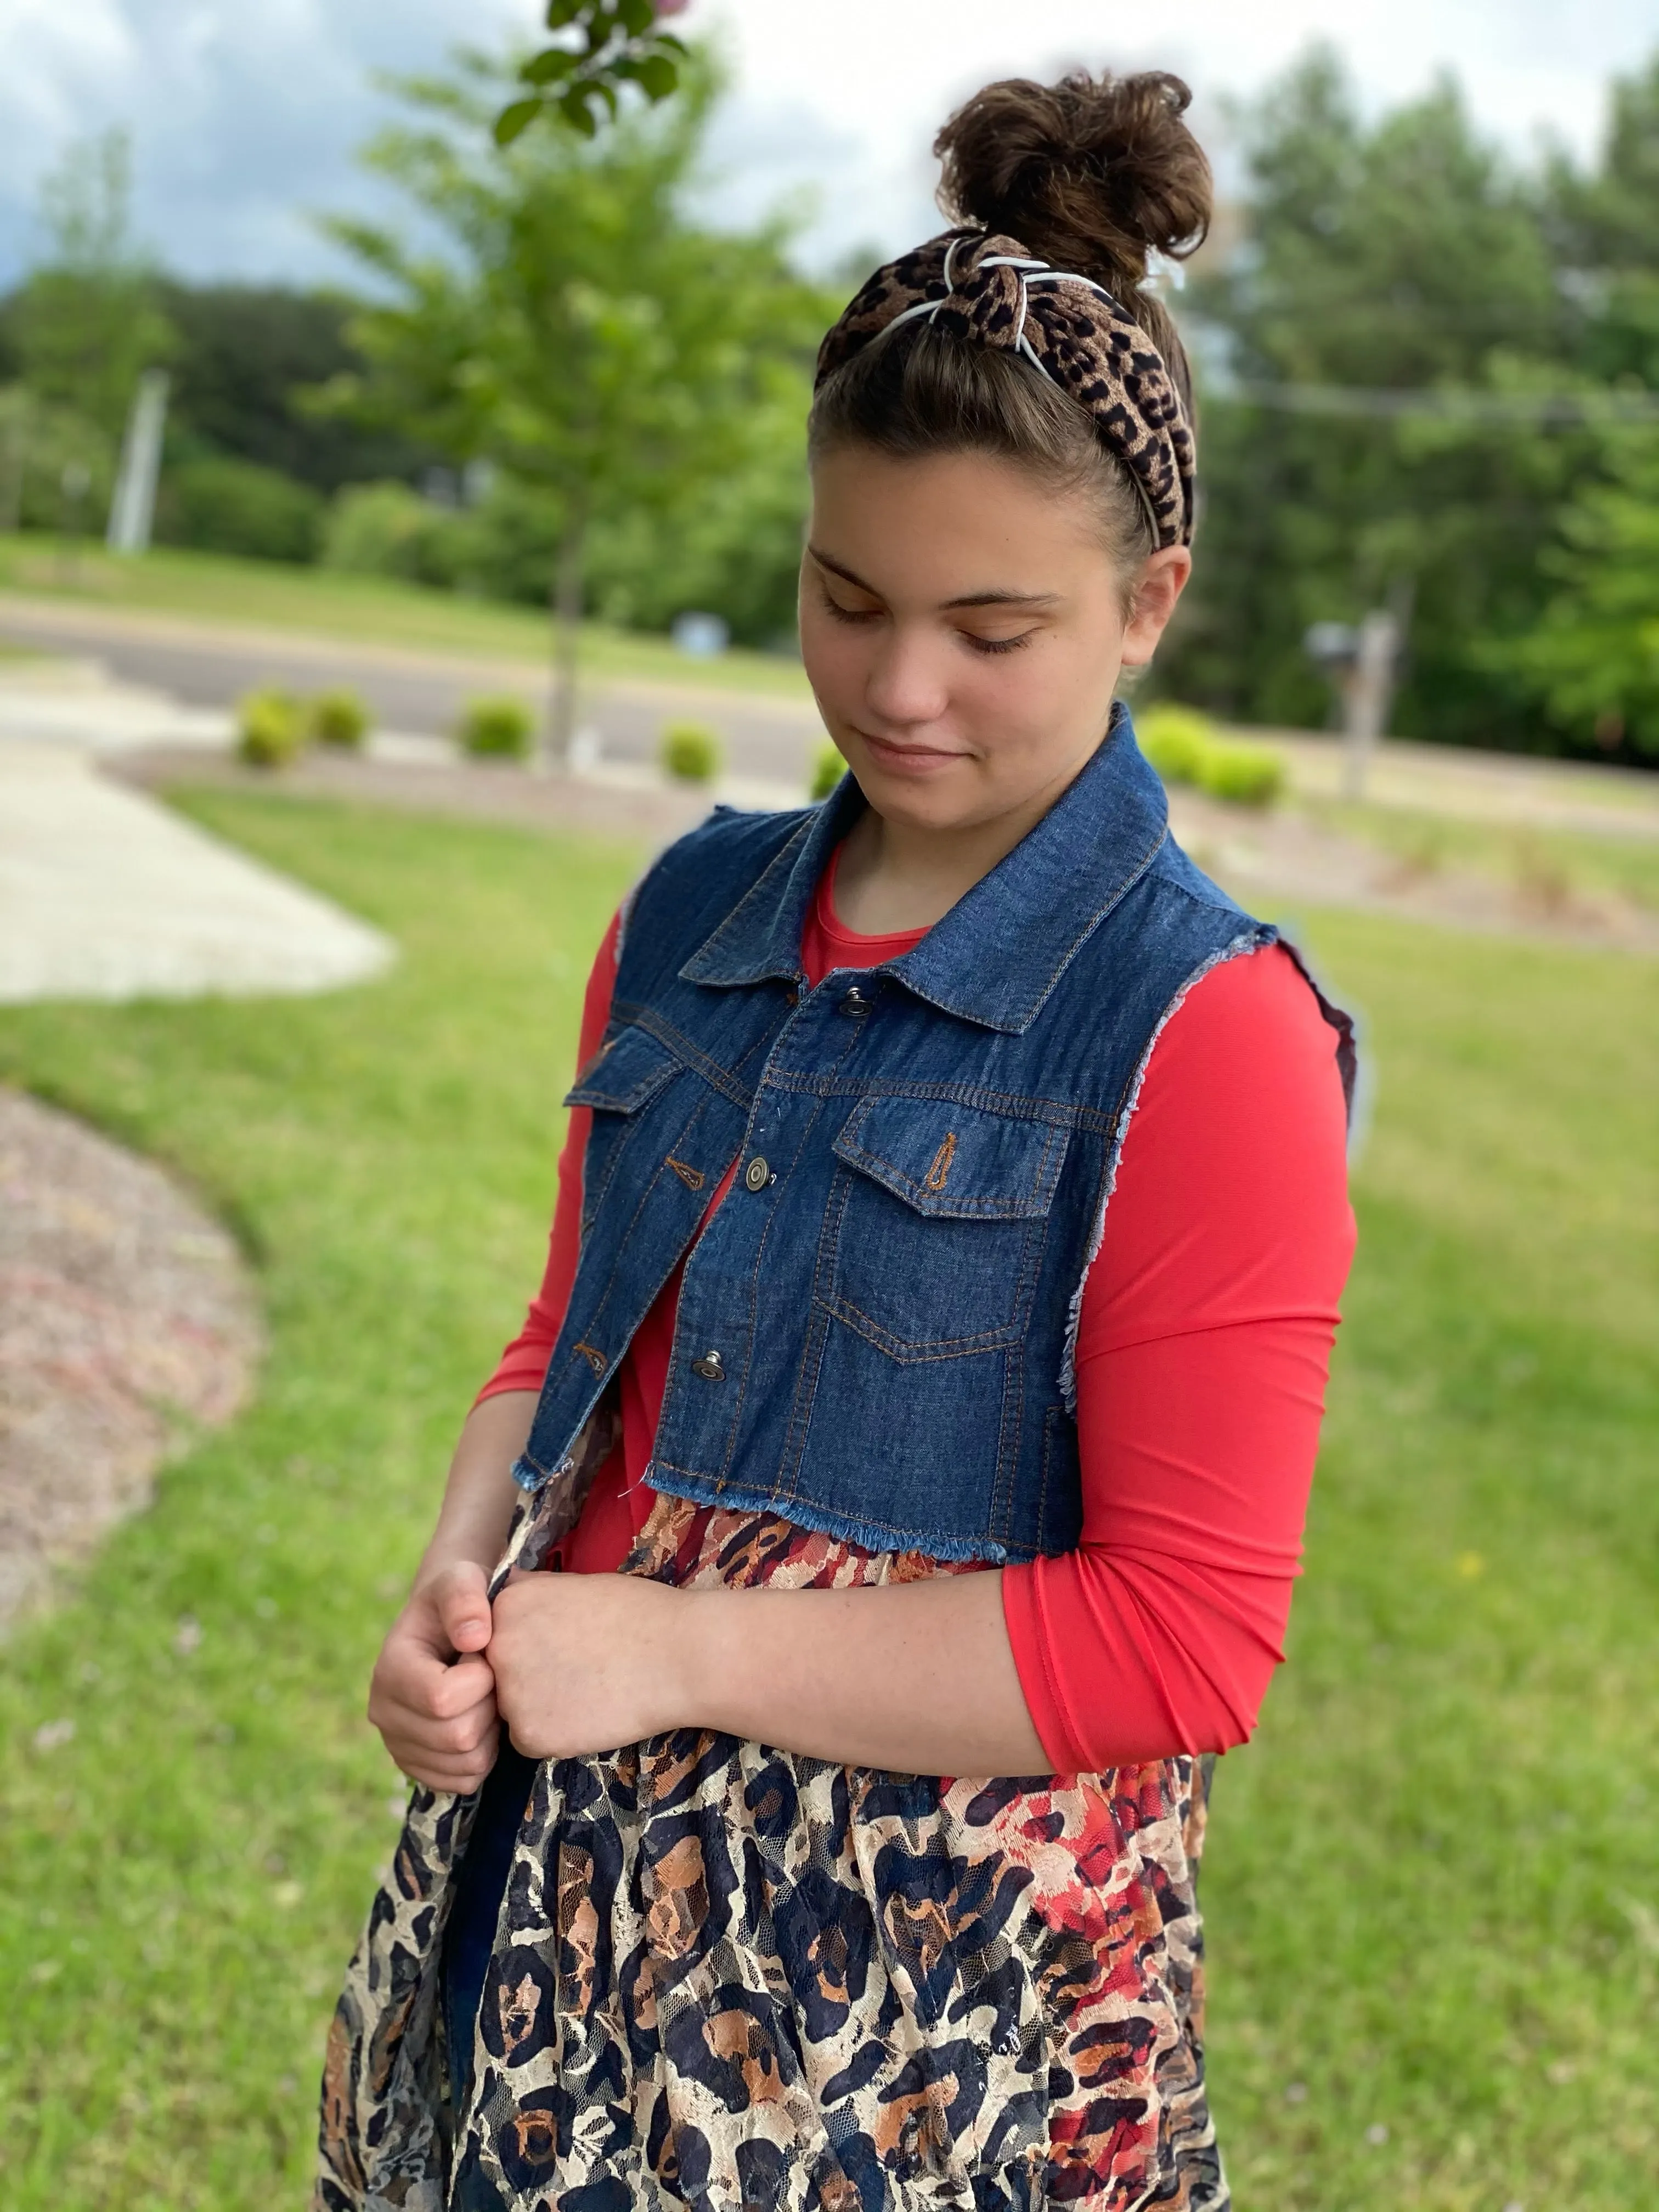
(523, 1365)
(1205, 1335)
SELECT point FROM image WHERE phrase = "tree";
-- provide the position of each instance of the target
(1593, 661)
(1594, 658)
(572, 327)
(85, 323)
(243, 357)
(606, 44)
(1405, 254)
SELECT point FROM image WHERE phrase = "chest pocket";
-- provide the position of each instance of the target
(623, 1078)
(939, 1223)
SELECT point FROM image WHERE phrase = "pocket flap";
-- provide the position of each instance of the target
(959, 1163)
(624, 1074)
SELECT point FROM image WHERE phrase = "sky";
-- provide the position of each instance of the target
(244, 120)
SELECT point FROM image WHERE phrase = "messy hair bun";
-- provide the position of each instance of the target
(1092, 173)
(934, 353)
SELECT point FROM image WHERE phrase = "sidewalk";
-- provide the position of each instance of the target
(105, 894)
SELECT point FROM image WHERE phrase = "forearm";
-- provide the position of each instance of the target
(917, 1677)
(480, 1494)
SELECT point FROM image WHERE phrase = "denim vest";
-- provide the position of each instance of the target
(876, 1331)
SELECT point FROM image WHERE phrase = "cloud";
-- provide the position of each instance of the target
(889, 71)
(245, 119)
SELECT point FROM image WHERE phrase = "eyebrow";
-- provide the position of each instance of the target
(992, 598)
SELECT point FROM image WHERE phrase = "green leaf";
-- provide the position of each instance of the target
(656, 76)
(544, 68)
(515, 120)
(573, 105)
(561, 12)
(637, 15)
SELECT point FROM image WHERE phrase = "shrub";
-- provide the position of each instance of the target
(690, 753)
(271, 731)
(1245, 775)
(389, 529)
(496, 728)
(222, 505)
(1183, 746)
(828, 769)
(1175, 740)
(339, 718)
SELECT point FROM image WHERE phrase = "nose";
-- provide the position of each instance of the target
(906, 684)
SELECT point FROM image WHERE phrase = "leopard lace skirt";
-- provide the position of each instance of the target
(729, 1977)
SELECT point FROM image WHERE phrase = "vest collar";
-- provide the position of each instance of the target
(995, 957)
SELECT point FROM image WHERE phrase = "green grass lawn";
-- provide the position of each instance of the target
(214, 588)
(1433, 1883)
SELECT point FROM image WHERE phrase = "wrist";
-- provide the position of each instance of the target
(697, 1656)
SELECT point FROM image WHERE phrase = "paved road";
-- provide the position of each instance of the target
(202, 666)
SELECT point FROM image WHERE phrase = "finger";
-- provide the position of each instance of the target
(470, 1682)
(443, 1739)
(435, 1687)
(463, 1598)
(454, 1785)
(463, 1775)
(442, 1746)
(410, 1667)
(393, 1718)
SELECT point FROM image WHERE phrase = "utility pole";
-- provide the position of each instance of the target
(1368, 693)
(132, 510)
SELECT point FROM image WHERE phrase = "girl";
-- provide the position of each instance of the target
(927, 1377)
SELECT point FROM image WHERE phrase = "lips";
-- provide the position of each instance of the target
(909, 759)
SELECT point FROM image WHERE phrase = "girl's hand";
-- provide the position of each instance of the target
(433, 1693)
(587, 1662)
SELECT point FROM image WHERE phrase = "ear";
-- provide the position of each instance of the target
(1157, 589)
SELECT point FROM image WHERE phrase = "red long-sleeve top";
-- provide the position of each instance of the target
(1203, 1347)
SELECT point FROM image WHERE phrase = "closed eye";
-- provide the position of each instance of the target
(833, 607)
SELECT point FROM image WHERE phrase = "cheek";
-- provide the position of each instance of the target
(837, 660)
(834, 654)
(1017, 704)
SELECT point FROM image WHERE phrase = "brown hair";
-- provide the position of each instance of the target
(1091, 176)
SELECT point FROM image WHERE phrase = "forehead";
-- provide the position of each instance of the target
(950, 524)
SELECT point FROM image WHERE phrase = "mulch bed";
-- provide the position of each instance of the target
(127, 1321)
(1279, 859)
(484, 792)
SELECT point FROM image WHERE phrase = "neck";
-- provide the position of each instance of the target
(894, 875)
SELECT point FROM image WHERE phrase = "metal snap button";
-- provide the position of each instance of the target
(757, 1174)
(709, 1368)
(854, 1002)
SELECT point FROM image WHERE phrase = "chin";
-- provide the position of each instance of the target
(948, 799)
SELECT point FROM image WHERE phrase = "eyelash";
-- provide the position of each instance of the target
(833, 608)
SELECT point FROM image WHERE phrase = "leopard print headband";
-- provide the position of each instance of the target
(989, 288)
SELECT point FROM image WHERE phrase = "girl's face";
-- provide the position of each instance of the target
(963, 631)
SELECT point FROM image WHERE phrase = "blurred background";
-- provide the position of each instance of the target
(401, 488)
